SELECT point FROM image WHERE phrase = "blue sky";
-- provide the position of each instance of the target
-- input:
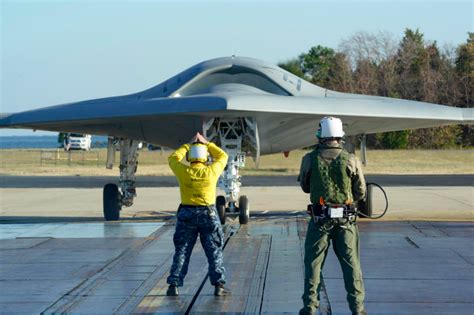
(54, 52)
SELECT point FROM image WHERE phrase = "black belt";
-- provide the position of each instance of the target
(195, 206)
(332, 211)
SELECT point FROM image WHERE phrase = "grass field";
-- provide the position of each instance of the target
(52, 162)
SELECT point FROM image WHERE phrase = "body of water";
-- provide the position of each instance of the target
(42, 142)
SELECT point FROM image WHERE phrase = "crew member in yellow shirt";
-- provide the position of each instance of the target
(197, 214)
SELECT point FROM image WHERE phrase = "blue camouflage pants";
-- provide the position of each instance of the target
(194, 221)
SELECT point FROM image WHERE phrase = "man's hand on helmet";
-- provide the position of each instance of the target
(199, 138)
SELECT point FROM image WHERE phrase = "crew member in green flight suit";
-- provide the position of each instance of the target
(335, 182)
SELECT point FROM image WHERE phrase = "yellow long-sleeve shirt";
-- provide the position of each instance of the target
(197, 183)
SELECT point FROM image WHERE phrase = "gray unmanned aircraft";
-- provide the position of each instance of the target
(249, 107)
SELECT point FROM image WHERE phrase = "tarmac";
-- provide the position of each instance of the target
(58, 256)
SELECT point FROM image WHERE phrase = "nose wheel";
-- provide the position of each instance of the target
(243, 209)
(220, 205)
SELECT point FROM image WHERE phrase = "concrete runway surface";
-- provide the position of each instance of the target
(57, 255)
(35, 198)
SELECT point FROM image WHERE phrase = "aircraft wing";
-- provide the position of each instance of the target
(286, 109)
(127, 117)
(285, 122)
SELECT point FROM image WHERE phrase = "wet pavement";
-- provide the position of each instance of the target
(410, 267)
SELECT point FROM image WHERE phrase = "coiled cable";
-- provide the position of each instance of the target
(386, 203)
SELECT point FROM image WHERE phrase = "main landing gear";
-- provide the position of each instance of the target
(114, 197)
(236, 136)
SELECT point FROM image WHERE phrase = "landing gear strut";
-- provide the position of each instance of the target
(115, 198)
(236, 136)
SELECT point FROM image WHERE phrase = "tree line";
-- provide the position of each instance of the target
(412, 68)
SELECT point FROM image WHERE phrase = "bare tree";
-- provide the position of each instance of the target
(372, 59)
(341, 74)
(366, 46)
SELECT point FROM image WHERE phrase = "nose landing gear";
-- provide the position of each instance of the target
(237, 137)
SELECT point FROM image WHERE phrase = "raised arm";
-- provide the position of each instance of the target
(174, 160)
(219, 156)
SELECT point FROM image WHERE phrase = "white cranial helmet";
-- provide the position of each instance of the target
(198, 153)
(330, 127)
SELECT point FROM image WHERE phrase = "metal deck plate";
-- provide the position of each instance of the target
(78, 230)
(409, 268)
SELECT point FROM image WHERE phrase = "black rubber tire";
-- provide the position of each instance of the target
(220, 206)
(367, 207)
(111, 203)
(244, 211)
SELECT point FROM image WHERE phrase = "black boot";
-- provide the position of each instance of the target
(172, 290)
(220, 290)
(304, 311)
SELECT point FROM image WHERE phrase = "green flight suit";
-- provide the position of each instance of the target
(343, 234)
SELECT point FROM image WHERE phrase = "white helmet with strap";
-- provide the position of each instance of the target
(330, 127)
(198, 153)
